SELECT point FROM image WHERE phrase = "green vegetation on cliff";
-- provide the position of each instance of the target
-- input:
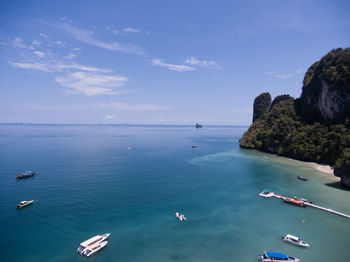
(301, 128)
(261, 105)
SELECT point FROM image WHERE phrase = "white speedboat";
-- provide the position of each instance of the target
(96, 239)
(276, 257)
(92, 249)
(25, 203)
(179, 216)
(295, 241)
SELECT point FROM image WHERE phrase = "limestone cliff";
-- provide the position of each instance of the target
(326, 89)
(314, 127)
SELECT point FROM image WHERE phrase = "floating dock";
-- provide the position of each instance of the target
(271, 194)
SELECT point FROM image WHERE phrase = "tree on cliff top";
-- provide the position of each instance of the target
(261, 105)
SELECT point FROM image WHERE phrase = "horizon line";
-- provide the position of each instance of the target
(121, 124)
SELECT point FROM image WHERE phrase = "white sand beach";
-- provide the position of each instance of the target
(323, 168)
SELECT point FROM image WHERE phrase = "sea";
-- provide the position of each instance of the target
(129, 180)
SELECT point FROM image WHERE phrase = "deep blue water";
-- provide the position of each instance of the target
(90, 184)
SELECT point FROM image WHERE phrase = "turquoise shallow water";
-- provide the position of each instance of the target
(89, 184)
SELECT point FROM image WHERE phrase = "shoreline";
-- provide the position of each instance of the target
(324, 168)
(321, 167)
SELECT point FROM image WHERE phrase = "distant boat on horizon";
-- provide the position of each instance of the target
(25, 174)
(198, 125)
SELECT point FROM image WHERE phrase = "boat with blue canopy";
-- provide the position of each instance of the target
(25, 174)
(276, 257)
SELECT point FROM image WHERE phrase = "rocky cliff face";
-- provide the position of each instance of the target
(326, 89)
(314, 127)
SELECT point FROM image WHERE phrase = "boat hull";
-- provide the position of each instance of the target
(294, 202)
(25, 204)
(102, 245)
(295, 241)
(25, 175)
(279, 260)
(302, 178)
(276, 257)
(81, 249)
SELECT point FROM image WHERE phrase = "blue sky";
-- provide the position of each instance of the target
(158, 62)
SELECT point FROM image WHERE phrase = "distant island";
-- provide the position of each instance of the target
(314, 127)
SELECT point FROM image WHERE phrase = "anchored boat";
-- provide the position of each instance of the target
(25, 203)
(276, 257)
(303, 178)
(25, 174)
(179, 216)
(302, 199)
(295, 241)
(92, 249)
(92, 241)
(294, 202)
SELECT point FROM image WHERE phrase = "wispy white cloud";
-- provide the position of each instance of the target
(91, 84)
(131, 30)
(279, 76)
(36, 42)
(39, 53)
(43, 35)
(31, 66)
(282, 76)
(173, 67)
(70, 56)
(18, 42)
(75, 77)
(111, 107)
(57, 67)
(73, 65)
(301, 70)
(88, 38)
(196, 62)
(109, 117)
(121, 106)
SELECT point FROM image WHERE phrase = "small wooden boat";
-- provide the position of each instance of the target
(302, 178)
(25, 203)
(294, 202)
(25, 174)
